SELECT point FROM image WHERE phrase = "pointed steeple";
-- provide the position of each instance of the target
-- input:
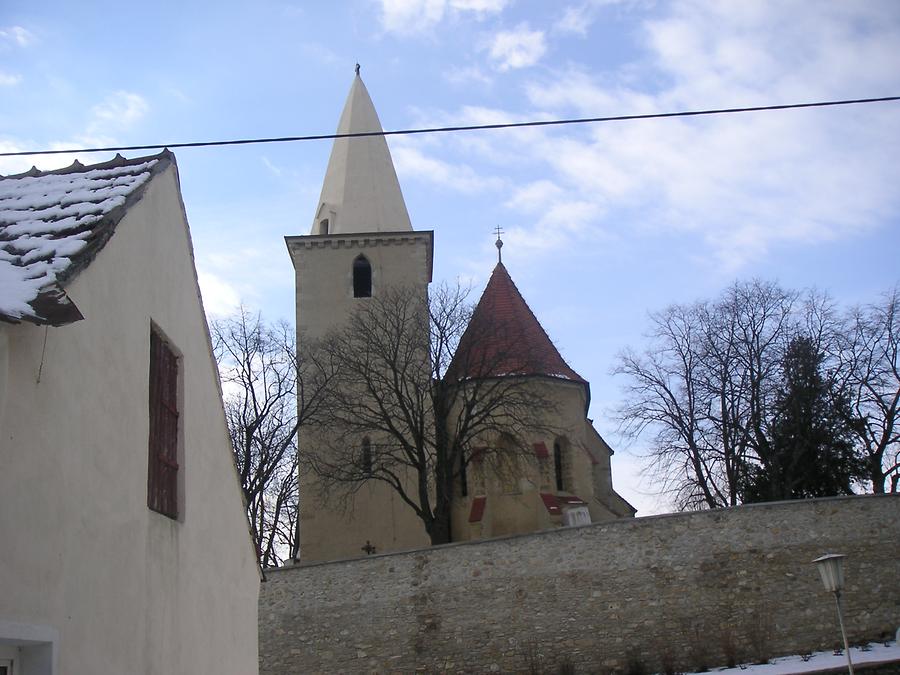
(361, 192)
(505, 338)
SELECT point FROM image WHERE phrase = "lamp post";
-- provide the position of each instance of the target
(831, 569)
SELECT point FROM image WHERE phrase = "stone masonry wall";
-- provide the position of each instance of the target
(681, 591)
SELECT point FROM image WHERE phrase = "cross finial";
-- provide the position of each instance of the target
(368, 548)
(357, 70)
(499, 243)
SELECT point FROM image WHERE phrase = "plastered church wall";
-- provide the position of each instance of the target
(515, 506)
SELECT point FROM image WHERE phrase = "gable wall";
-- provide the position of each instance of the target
(677, 585)
(128, 590)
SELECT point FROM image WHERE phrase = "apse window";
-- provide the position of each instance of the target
(362, 278)
(366, 459)
(558, 466)
(162, 477)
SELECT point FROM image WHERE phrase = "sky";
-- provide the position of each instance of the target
(603, 223)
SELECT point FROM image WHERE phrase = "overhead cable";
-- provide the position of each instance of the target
(470, 127)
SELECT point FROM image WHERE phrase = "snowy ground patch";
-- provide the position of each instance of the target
(877, 652)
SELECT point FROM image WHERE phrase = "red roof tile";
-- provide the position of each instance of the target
(505, 338)
(477, 511)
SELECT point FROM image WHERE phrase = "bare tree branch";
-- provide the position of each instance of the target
(397, 382)
(262, 381)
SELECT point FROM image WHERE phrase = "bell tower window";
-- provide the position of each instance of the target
(362, 278)
(366, 459)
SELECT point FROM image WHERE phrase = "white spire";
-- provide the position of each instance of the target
(361, 192)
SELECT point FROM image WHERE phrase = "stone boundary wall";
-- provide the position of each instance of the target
(677, 591)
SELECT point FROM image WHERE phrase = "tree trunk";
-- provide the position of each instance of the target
(439, 530)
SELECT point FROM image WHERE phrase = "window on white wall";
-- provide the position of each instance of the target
(162, 478)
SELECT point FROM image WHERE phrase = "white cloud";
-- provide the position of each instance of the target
(418, 16)
(9, 80)
(575, 19)
(411, 16)
(118, 112)
(220, 298)
(534, 196)
(271, 166)
(319, 53)
(467, 75)
(517, 48)
(414, 163)
(736, 185)
(17, 35)
(14, 165)
(730, 188)
(480, 6)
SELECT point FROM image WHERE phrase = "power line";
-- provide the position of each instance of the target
(472, 127)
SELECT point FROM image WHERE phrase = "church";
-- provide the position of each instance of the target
(552, 470)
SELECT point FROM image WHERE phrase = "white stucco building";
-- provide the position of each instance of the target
(125, 545)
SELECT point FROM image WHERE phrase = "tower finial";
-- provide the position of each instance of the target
(357, 70)
(499, 244)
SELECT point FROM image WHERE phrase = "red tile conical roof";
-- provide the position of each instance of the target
(505, 338)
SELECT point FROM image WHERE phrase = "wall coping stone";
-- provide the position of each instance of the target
(620, 522)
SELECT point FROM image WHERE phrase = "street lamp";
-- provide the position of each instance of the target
(831, 568)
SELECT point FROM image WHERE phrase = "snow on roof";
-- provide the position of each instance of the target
(53, 223)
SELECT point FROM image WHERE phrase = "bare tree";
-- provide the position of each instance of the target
(267, 396)
(402, 377)
(870, 359)
(706, 385)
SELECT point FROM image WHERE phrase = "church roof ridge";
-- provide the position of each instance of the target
(505, 338)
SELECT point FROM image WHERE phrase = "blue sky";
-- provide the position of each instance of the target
(603, 222)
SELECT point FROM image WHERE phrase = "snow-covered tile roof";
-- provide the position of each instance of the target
(53, 223)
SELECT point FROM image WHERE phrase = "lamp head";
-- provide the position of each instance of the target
(831, 569)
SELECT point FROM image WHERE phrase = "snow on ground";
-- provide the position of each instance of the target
(877, 652)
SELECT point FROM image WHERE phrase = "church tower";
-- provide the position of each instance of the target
(361, 242)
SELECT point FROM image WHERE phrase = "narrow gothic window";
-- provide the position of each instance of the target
(463, 478)
(162, 479)
(557, 464)
(362, 278)
(323, 226)
(366, 459)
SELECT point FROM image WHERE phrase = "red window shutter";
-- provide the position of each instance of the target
(162, 477)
